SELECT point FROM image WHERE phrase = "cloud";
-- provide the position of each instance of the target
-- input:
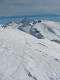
(28, 7)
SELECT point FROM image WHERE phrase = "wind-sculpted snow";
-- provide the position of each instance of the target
(24, 57)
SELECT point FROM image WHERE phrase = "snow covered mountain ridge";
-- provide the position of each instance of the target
(30, 57)
(38, 28)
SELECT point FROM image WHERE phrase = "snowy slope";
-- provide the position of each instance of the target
(49, 29)
(24, 57)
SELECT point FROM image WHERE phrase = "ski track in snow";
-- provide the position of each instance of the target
(24, 57)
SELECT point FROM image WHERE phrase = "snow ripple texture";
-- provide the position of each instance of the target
(24, 57)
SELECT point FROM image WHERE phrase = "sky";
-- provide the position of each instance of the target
(29, 7)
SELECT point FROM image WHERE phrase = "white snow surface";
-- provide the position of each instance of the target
(49, 29)
(24, 57)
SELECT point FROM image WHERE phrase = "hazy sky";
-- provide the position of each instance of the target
(29, 7)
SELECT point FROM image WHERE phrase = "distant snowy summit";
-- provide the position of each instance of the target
(39, 28)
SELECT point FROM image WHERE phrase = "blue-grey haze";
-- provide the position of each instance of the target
(29, 7)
